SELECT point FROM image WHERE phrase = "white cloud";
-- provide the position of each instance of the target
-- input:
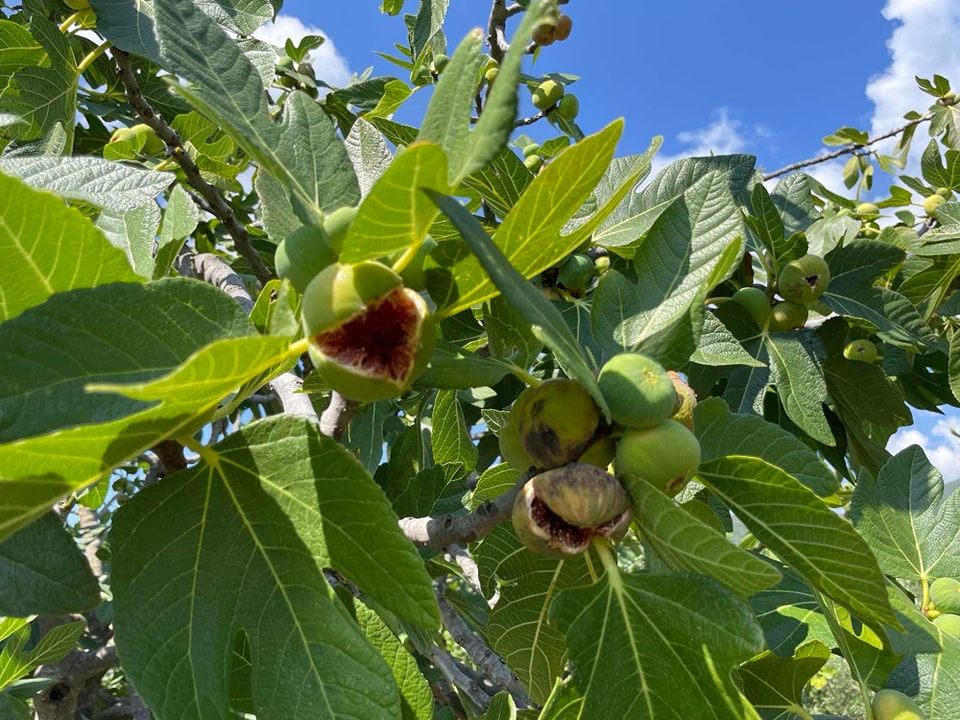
(329, 65)
(941, 446)
(723, 136)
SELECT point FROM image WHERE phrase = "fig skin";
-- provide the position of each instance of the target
(600, 452)
(894, 705)
(303, 255)
(945, 594)
(544, 35)
(948, 623)
(638, 390)
(666, 456)
(555, 421)
(511, 449)
(867, 210)
(341, 291)
(861, 350)
(786, 315)
(754, 301)
(533, 163)
(804, 280)
(337, 223)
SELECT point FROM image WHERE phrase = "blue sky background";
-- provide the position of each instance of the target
(767, 78)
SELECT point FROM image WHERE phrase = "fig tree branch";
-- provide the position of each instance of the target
(215, 203)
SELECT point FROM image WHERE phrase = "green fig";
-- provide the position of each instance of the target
(754, 301)
(786, 315)
(303, 254)
(556, 420)
(945, 594)
(862, 350)
(637, 389)
(569, 107)
(932, 202)
(868, 210)
(370, 337)
(948, 623)
(533, 163)
(511, 448)
(894, 705)
(944, 192)
(440, 63)
(544, 35)
(688, 401)
(413, 274)
(600, 452)
(531, 150)
(577, 271)
(547, 94)
(666, 455)
(141, 135)
(804, 280)
(284, 67)
(336, 224)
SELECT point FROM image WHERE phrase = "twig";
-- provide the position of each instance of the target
(496, 29)
(452, 671)
(215, 203)
(467, 565)
(521, 122)
(439, 532)
(337, 416)
(848, 149)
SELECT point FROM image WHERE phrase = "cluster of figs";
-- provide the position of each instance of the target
(800, 283)
(577, 459)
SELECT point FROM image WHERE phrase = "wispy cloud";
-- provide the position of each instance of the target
(941, 446)
(723, 136)
(329, 65)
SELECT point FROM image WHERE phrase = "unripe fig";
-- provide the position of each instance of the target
(440, 63)
(867, 210)
(860, 349)
(948, 623)
(544, 35)
(337, 224)
(602, 264)
(533, 163)
(422, 77)
(804, 280)
(638, 390)
(370, 337)
(869, 229)
(600, 452)
(547, 94)
(561, 31)
(491, 75)
(303, 254)
(945, 594)
(556, 421)
(559, 511)
(531, 150)
(894, 705)
(511, 449)
(576, 272)
(666, 455)
(286, 65)
(932, 202)
(754, 301)
(77, 4)
(944, 192)
(152, 145)
(413, 274)
(786, 315)
(569, 107)
(688, 401)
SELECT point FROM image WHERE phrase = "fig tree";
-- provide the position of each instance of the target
(370, 337)
(555, 420)
(547, 94)
(804, 280)
(569, 107)
(945, 594)
(303, 254)
(576, 272)
(932, 202)
(688, 401)
(638, 390)
(894, 705)
(561, 31)
(666, 455)
(754, 301)
(948, 623)
(860, 349)
(559, 511)
(786, 315)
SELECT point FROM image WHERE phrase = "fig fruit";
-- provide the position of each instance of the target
(786, 315)
(638, 390)
(894, 705)
(511, 449)
(533, 163)
(77, 4)
(440, 63)
(561, 31)
(867, 209)
(547, 94)
(337, 224)
(948, 623)
(531, 150)
(688, 401)
(559, 511)
(555, 421)
(303, 254)
(370, 337)
(544, 35)
(754, 301)
(569, 107)
(491, 75)
(577, 271)
(666, 455)
(862, 350)
(932, 202)
(414, 275)
(804, 280)
(600, 452)
(944, 192)
(284, 67)
(141, 133)
(945, 594)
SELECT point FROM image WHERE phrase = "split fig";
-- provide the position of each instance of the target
(666, 455)
(945, 594)
(754, 301)
(370, 337)
(555, 421)
(638, 390)
(804, 280)
(894, 705)
(303, 254)
(786, 315)
(860, 349)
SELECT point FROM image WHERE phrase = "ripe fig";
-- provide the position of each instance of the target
(141, 133)
(547, 94)
(754, 301)
(303, 254)
(862, 350)
(556, 421)
(638, 390)
(370, 337)
(561, 31)
(688, 401)
(894, 705)
(945, 594)
(569, 107)
(666, 455)
(544, 35)
(932, 202)
(804, 280)
(337, 224)
(786, 315)
(577, 271)
(948, 623)
(533, 163)
(559, 511)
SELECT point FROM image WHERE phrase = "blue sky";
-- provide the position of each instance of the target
(767, 78)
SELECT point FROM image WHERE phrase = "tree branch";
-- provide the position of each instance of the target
(496, 29)
(335, 419)
(215, 204)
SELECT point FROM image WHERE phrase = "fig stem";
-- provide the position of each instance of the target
(92, 56)
(522, 374)
(65, 25)
(401, 263)
(602, 546)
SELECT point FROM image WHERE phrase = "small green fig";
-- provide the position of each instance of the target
(531, 150)
(77, 4)
(284, 67)
(440, 63)
(867, 209)
(561, 31)
(413, 274)
(370, 337)
(337, 224)
(511, 448)
(577, 271)
(948, 623)
(944, 192)
(491, 75)
(945, 594)
(786, 315)
(547, 94)
(894, 705)
(600, 452)
(688, 401)
(556, 420)
(754, 301)
(569, 107)
(932, 202)
(303, 254)
(860, 349)
(804, 280)
(638, 390)
(152, 145)
(533, 163)
(666, 455)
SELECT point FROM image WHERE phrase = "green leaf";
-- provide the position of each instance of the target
(224, 554)
(793, 198)
(369, 154)
(634, 639)
(686, 544)
(933, 680)
(764, 220)
(42, 571)
(455, 369)
(129, 26)
(790, 614)
(48, 248)
(365, 434)
(450, 439)
(134, 232)
(954, 360)
(803, 531)
(900, 514)
(796, 371)
(773, 683)
(12, 708)
(501, 707)
(933, 169)
(15, 662)
(718, 346)
(426, 26)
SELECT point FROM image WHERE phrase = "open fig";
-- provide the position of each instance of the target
(555, 421)
(370, 337)
(804, 280)
(666, 455)
(945, 594)
(638, 390)
(558, 512)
